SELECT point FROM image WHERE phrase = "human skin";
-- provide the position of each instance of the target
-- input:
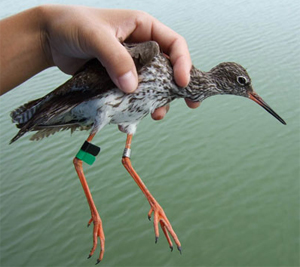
(69, 36)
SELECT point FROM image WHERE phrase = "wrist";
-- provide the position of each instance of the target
(22, 48)
(44, 15)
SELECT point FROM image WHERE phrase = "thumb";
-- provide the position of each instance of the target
(118, 63)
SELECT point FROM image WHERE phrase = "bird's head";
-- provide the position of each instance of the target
(231, 78)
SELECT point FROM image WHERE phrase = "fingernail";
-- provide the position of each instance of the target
(127, 82)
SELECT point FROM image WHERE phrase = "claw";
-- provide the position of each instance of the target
(179, 248)
(89, 256)
(156, 239)
(171, 247)
(90, 221)
(97, 262)
(150, 213)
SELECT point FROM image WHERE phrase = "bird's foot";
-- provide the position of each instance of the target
(161, 218)
(97, 232)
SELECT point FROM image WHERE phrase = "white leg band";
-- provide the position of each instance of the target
(126, 153)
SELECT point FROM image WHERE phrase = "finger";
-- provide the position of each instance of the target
(176, 47)
(181, 67)
(173, 44)
(160, 113)
(117, 61)
(192, 104)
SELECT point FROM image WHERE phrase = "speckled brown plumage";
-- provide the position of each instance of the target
(57, 110)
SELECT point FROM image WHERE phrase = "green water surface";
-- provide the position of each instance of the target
(227, 173)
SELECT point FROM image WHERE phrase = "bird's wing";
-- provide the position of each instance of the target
(90, 81)
(143, 53)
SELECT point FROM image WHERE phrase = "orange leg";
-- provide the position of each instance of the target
(159, 214)
(98, 229)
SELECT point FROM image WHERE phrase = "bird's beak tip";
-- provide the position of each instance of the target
(256, 98)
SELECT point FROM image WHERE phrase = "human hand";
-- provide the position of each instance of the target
(73, 35)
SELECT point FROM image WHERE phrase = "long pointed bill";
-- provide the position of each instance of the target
(256, 98)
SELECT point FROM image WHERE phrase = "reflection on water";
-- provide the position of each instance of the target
(227, 174)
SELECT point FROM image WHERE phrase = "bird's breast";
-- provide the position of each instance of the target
(131, 108)
(155, 88)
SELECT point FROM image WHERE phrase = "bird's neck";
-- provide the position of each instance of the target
(201, 86)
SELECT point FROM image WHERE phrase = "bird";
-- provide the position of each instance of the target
(89, 100)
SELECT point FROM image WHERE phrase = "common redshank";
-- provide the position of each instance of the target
(90, 100)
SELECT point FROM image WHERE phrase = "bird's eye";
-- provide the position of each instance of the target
(242, 80)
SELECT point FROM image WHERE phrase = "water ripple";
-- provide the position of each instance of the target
(227, 174)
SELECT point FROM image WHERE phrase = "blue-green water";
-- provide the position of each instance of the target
(227, 174)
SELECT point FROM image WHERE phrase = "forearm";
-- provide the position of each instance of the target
(21, 45)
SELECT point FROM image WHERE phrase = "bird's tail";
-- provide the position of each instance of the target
(24, 113)
(18, 135)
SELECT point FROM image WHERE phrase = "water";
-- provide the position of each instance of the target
(227, 174)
